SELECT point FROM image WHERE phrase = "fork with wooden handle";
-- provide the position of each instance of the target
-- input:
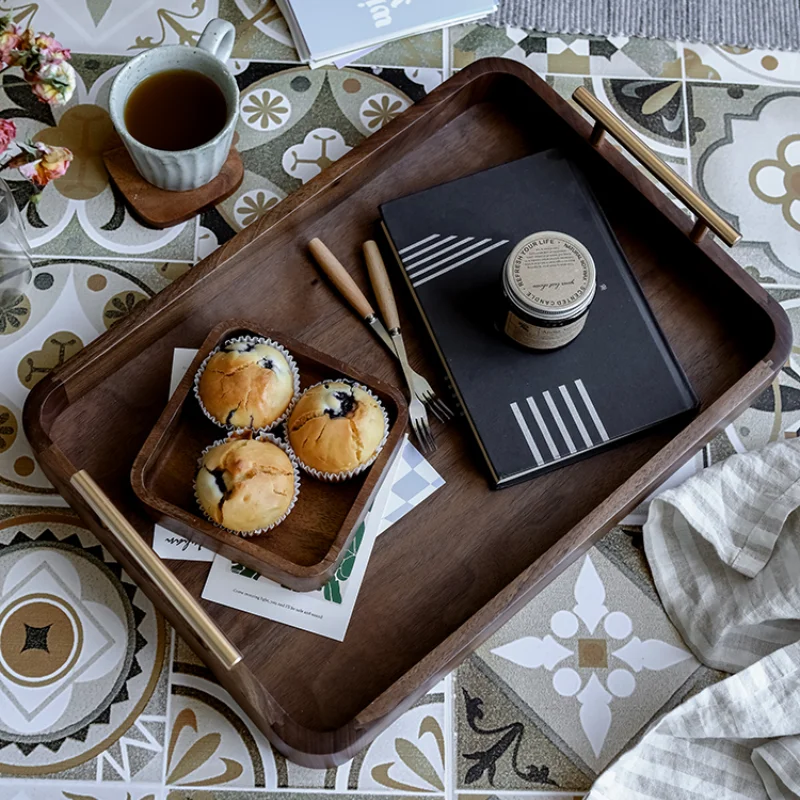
(342, 280)
(381, 285)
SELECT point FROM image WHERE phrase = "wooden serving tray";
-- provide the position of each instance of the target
(449, 574)
(304, 551)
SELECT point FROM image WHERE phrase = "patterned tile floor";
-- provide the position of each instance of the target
(569, 682)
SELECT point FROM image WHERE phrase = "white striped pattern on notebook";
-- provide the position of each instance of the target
(436, 254)
(547, 420)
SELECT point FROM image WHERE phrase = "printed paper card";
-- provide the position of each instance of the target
(327, 611)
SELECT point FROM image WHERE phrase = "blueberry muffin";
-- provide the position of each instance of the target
(336, 428)
(247, 384)
(246, 485)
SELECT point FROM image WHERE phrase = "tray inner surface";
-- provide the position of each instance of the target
(306, 536)
(448, 558)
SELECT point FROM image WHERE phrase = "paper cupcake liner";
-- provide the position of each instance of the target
(241, 433)
(337, 477)
(252, 340)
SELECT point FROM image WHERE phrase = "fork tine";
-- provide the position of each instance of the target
(442, 407)
(425, 425)
(431, 404)
(419, 436)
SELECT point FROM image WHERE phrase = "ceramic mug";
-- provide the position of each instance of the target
(181, 170)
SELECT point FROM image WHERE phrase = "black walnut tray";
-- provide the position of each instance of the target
(448, 575)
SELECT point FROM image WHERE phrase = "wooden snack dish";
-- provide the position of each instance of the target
(304, 551)
(446, 576)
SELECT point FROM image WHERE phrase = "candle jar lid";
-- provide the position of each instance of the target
(550, 276)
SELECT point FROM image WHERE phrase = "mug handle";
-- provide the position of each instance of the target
(218, 38)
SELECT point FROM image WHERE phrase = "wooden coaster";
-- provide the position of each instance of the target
(159, 208)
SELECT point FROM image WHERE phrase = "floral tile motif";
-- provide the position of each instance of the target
(745, 147)
(73, 621)
(740, 65)
(69, 303)
(212, 743)
(79, 791)
(563, 687)
(580, 55)
(81, 213)
(104, 26)
(295, 122)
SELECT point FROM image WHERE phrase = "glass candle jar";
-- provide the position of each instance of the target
(549, 283)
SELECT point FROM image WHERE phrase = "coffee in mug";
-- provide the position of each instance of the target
(175, 109)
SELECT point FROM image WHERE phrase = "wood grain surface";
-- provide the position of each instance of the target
(160, 208)
(302, 552)
(449, 574)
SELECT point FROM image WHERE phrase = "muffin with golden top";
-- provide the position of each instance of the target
(246, 485)
(247, 383)
(336, 429)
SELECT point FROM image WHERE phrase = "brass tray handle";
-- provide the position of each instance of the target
(203, 627)
(606, 120)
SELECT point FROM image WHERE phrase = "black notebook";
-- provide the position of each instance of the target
(533, 410)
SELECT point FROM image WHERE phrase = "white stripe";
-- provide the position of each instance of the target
(526, 432)
(560, 422)
(443, 251)
(459, 263)
(417, 244)
(543, 427)
(426, 249)
(441, 261)
(576, 417)
(592, 410)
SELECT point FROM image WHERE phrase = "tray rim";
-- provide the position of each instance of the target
(327, 748)
(298, 577)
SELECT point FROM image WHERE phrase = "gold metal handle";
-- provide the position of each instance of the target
(606, 120)
(203, 627)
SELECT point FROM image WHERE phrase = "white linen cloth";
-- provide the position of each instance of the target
(724, 549)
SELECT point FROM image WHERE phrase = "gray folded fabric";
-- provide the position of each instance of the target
(725, 553)
(769, 24)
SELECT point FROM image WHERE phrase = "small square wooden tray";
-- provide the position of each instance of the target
(302, 552)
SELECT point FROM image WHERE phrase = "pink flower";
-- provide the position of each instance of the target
(9, 43)
(43, 47)
(8, 132)
(52, 164)
(53, 83)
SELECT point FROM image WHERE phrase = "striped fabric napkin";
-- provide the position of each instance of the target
(725, 553)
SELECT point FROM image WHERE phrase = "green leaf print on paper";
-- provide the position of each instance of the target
(98, 8)
(332, 590)
(245, 572)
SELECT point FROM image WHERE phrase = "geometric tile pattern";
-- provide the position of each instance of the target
(579, 673)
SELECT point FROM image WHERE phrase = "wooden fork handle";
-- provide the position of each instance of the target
(381, 285)
(340, 278)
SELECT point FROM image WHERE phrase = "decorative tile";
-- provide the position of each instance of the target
(563, 687)
(295, 122)
(621, 57)
(83, 657)
(740, 65)
(101, 26)
(424, 50)
(408, 757)
(745, 148)
(24, 791)
(81, 214)
(69, 303)
(775, 413)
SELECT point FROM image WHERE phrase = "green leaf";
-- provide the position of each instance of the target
(332, 591)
